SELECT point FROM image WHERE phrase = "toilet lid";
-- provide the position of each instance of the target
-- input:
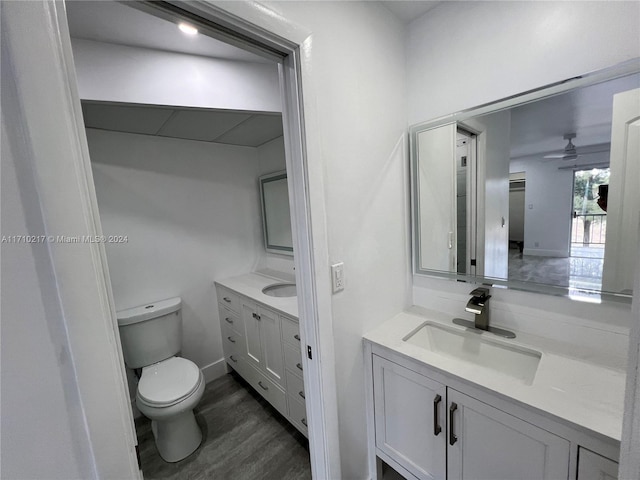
(169, 381)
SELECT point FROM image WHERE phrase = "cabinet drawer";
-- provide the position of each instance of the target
(295, 386)
(293, 358)
(232, 342)
(229, 318)
(228, 299)
(290, 332)
(298, 415)
(268, 389)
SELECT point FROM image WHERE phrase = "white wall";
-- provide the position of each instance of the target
(191, 212)
(549, 192)
(510, 47)
(117, 73)
(355, 122)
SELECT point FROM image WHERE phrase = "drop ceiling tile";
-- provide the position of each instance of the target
(204, 125)
(124, 118)
(254, 132)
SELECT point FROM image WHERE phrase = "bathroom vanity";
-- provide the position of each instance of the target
(261, 340)
(447, 402)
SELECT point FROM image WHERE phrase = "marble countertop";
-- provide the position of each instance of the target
(251, 285)
(582, 392)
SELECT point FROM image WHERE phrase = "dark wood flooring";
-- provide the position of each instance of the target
(244, 438)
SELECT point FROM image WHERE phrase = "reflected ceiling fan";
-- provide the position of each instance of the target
(570, 152)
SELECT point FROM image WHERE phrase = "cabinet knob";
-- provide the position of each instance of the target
(262, 386)
(304, 421)
(228, 320)
(301, 394)
(255, 315)
(297, 337)
(299, 366)
(233, 359)
(227, 299)
(231, 340)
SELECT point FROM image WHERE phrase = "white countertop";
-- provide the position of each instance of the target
(251, 285)
(576, 389)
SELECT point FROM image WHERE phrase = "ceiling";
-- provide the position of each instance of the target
(537, 128)
(220, 126)
(115, 22)
(408, 11)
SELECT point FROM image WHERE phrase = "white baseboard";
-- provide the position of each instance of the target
(545, 253)
(214, 370)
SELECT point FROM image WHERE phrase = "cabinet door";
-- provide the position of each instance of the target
(251, 320)
(272, 353)
(592, 466)
(484, 443)
(409, 419)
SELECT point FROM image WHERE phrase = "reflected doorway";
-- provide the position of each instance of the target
(588, 227)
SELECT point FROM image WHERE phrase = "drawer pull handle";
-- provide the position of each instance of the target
(304, 421)
(436, 427)
(231, 340)
(301, 394)
(233, 359)
(452, 437)
(256, 316)
(228, 320)
(227, 299)
(297, 337)
(262, 386)
(299, 366)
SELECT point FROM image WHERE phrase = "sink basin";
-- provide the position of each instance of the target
(514, 361)
(280, 290)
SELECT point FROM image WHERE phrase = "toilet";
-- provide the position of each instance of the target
(169, 387)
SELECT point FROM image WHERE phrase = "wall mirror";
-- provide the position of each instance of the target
(276, 218)
(537, 192)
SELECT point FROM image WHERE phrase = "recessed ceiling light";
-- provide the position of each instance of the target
(188, 29)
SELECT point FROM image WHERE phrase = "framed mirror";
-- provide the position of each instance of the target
(276, 217)
(536, 192)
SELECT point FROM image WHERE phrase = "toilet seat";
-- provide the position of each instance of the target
(168, 382)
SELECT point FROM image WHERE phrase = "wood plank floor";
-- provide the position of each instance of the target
(244, 438)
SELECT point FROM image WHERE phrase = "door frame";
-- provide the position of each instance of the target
(314, 300)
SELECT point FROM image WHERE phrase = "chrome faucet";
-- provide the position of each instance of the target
(479, 305)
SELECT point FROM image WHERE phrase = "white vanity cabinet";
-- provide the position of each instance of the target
(435, 432)
(263, 346)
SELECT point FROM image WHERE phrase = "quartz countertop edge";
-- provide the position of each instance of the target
(251, 285)
(585, 394)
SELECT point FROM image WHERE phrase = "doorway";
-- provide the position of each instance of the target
(317, 378)
(588, 227)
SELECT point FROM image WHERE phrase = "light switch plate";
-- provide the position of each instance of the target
(337, 277)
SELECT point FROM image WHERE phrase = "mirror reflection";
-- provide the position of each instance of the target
(276, 219)
(536, 196)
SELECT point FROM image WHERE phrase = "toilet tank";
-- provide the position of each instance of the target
(150, 333)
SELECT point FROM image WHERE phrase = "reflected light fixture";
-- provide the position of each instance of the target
(188, 29)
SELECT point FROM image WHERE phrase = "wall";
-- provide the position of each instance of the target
(117, 73)
(548, 199)
(353, 77)
(191, 213)
(510, 47)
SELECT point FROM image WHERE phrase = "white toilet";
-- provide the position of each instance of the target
(169, 387)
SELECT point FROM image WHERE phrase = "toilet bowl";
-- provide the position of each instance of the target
(168, 391)
(169, 387)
